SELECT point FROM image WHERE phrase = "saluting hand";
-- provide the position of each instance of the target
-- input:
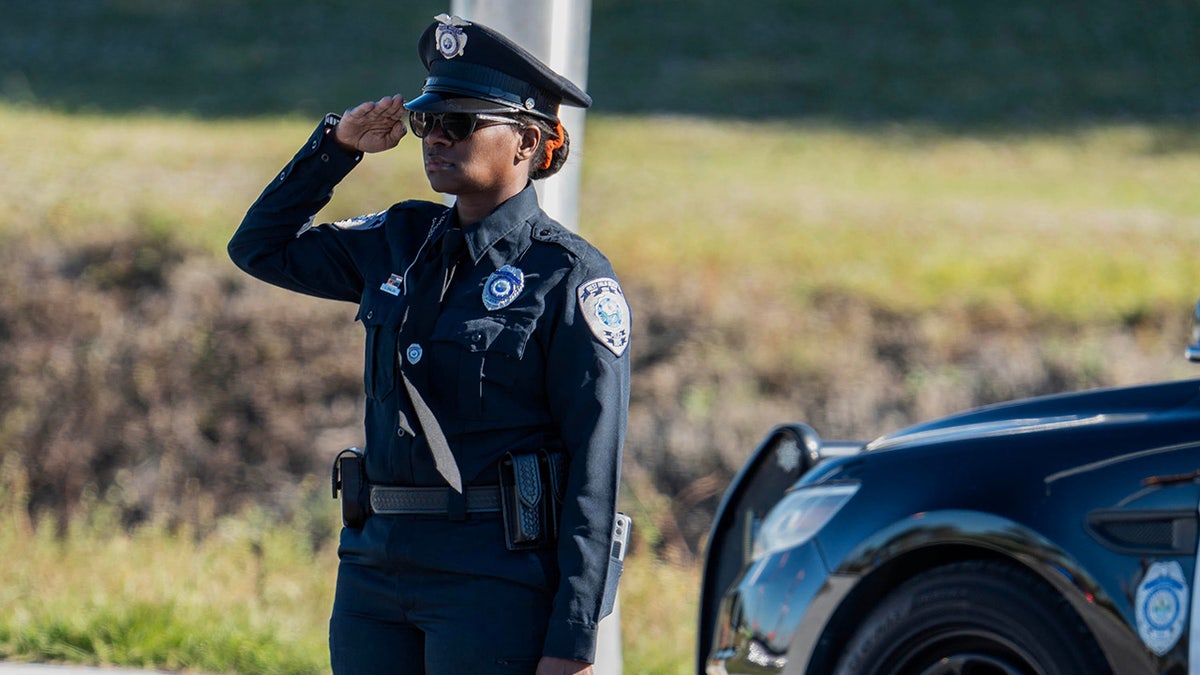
(373, 126)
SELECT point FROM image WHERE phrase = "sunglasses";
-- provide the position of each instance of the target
(456, 125)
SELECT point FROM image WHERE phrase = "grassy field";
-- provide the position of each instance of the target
(864, 211)
(251, 597)
(1096, 224)
(736, 222)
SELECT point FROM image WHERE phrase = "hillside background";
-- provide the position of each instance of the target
(857, 214)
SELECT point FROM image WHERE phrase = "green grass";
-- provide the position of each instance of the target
(1096, 225)
(251, 597)
(1017, 164)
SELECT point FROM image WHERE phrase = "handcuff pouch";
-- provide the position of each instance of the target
(532, 485)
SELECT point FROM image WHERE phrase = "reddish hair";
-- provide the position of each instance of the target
(553, 144)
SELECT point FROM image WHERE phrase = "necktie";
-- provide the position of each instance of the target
(425, 297)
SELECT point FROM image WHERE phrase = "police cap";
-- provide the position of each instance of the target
(472, 68)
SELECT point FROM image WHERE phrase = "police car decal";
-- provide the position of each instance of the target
(367, 222)
(1161, 606)
(607, 314)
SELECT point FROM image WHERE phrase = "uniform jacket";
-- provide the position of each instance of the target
(532, 374)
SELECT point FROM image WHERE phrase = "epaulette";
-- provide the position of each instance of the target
(553, 233)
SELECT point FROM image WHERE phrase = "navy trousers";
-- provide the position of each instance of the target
(421, 595)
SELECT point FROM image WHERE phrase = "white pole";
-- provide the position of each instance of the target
(557, 32)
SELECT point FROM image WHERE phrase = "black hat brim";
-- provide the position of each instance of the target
(436, 102)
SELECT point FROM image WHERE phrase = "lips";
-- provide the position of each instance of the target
(437, 163)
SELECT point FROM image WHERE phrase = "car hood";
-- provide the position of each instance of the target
(1032, 415)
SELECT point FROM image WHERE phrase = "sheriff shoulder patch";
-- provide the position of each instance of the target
(603, 305)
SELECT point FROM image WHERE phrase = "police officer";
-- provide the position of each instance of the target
(496, 346)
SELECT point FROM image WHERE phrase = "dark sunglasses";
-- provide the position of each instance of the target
(456, 125)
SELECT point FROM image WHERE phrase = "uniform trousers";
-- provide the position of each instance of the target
(422, 595)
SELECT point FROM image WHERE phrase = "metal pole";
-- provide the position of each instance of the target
(558, 32)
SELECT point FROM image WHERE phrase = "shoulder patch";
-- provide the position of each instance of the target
(602, 303)
(367, 222)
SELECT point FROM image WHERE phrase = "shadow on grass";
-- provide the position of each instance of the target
(950, 63)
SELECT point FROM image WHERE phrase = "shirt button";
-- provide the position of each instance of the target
(324, 157)
(400, 432)
(315, 144)
(370, 314)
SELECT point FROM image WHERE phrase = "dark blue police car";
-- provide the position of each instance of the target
(1054, 535)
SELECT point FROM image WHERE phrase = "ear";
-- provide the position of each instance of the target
(529, 140)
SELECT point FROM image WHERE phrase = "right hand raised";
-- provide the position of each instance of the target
(373, 126)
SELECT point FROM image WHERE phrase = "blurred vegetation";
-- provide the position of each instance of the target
(857, 214)
(961, 63)
(251, 596)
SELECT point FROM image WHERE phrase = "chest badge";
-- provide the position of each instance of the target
(502, 287)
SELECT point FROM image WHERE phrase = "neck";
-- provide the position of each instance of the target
(473, 208)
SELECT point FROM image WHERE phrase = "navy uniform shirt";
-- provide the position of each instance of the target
(539, 372)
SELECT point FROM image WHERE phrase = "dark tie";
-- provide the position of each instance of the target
(453, 244)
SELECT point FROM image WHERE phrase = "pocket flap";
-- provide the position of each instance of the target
(484, 334)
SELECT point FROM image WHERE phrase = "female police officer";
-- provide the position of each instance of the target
(497, 374)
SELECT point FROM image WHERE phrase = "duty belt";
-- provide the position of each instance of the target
(400, 501)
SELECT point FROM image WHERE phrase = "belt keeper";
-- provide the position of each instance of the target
(456, 505)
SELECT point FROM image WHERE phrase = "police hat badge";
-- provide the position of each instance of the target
(450, 38)
(502, 287)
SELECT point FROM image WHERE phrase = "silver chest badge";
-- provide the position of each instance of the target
(414, 353)
(451, 40)
(502, 287)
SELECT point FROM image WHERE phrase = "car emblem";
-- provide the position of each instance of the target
(788, 456)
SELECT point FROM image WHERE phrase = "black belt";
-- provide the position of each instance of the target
(388, 500)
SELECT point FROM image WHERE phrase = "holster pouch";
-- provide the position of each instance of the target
(532, 487)
(350, 478)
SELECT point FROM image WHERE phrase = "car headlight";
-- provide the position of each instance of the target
(799, 516)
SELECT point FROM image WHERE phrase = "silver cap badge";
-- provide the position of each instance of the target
(451, 40)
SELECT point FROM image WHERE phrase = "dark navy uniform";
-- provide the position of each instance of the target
(542, 366)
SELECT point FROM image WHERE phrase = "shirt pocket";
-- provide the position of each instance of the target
(488, 352)
(379, 367)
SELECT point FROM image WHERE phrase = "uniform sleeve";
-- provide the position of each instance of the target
(588, 382)
(276, 241)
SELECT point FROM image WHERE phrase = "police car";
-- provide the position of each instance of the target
(1054, 535)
